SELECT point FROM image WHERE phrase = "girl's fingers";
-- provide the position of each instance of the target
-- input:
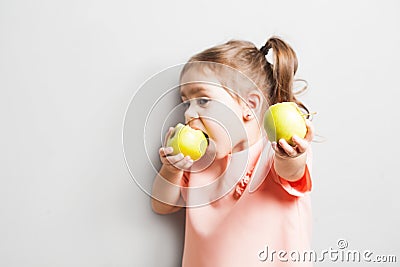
(175, 159)
(183, 163)
(289, 150)
(301, 144)
(284, 149)
(278, 150)
(170, 131)
(178, 161)
(164, 151)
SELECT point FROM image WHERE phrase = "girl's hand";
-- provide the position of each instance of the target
(284, 150)
(174, 163)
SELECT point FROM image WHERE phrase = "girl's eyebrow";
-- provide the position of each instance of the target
(194, 90)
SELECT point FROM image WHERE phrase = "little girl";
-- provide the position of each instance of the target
(246, 200)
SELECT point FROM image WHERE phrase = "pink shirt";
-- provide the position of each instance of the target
(271, 214)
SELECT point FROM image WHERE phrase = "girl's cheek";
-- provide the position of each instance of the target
(220, 146)
(220, 140)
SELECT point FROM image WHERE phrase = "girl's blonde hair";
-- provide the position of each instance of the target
(275, 80)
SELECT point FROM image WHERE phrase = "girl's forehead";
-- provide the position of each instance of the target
(195, 81)
(197, 75)
(231, 79)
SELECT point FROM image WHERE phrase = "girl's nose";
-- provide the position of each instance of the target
(191, 113)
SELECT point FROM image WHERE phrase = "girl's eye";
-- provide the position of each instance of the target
(203, 101)
(186, 104)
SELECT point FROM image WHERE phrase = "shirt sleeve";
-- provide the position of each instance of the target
(301, 186)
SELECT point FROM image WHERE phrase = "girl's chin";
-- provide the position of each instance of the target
(215, 150)
(213, 153)
(207, 159)
(211, 148)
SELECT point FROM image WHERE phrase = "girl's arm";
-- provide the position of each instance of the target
(290, 162)
(166, 187)
(166, 191)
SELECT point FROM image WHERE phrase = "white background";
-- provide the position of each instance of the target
(68, 70)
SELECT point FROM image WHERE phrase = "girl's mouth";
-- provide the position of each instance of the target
(205, 134)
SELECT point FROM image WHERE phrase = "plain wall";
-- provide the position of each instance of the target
(69, 69)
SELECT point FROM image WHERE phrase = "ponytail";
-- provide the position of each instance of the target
(281, 72)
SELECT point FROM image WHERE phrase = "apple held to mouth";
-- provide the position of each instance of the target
(283, 120)
(188, 141)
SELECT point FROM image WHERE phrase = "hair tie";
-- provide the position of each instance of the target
(264, 49)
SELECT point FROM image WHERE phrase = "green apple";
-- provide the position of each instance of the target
(283, 120)
(188, 141)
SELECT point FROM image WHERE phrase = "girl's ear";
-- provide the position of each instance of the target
(253, 104)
